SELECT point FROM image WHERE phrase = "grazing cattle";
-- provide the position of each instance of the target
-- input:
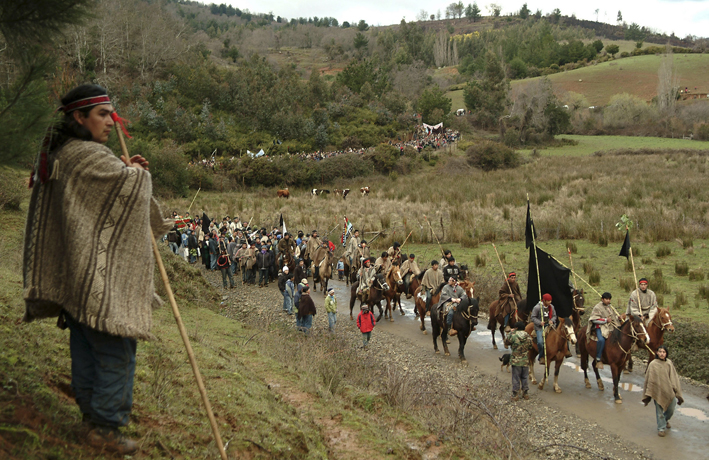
(318, 191)
(342, 193)
(283, 193)
(364, 191)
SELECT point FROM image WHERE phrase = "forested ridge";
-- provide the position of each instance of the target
(197, 80)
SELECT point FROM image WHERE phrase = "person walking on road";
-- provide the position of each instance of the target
(366, 323)
(519, 342)
(331, 309)
(306, 310)
(663, 388)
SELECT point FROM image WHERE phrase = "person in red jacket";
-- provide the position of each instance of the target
(366, 323)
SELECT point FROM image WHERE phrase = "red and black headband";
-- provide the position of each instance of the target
(86, 102)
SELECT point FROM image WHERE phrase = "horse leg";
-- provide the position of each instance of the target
(494, 345)
(615, 370)
(629, 368)
(435, 331)
(584, 363)
(381, 310)
(444, 338)
(502, 333)
(533, 381)
(557, 389)
(599, 382)
(462, 339)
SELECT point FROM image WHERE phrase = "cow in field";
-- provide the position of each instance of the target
(283, 193)
(364, 191)
(318, 191)
(340, 192)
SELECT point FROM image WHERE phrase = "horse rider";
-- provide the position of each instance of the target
(430, 282)
(543, 315)
(648, 303)
(602, 319)
(352, 250)
(301, 271)
(510, 296)
(366, 279)
(286, 246)
(394, 252)
(446, 255)
(382, 264)
(408, 269)
(451, 269)
(314, 243)
(453, 293)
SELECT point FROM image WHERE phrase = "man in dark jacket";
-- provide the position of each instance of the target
(306, 310)
(300, 271)
(213, 251)
(192, 246)
(451, 269)
(263, 262)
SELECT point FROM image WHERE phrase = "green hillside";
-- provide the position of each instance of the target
(634, 75)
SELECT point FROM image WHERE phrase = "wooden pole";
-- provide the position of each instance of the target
(572, 267)
(181, 326)
(195, 197)
(436, 236)
(407, 239)
(539, 285)
(504, 273)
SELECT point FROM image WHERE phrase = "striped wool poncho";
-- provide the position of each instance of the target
(87, 246)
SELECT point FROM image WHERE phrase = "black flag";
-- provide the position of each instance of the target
(529, 229)
(554, 279)
(625, 250)
(205, 222)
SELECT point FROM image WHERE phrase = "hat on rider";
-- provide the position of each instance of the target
(366, 261)
(642, 280)
(396, 244)
(512, 274)
(606, 295)
(546, 297)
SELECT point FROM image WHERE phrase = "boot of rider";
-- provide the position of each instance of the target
(515, 396)
(508, 329)
(568, 350)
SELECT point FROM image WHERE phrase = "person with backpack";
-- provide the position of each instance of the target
(366, 323)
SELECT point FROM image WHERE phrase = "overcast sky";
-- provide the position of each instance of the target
(683, 17)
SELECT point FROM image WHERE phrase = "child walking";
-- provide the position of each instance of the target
(366, 323)
(331, 309)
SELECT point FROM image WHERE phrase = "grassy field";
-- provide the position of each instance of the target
(633, 75)
(588, 145)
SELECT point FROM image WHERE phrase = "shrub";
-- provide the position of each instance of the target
(681, 268)
(625, 110)
(680, 299)
(663, 251)
(587, 268)
(689, 352)
(687, 243)
(702, 132)
(647, 261)
(480, 260)
(489, 156)
(628, 284)
(571, 246)
(628, 266)
(658, 284)
(12, 191)
(696, 275)
(602, 240)
(594, 277)
(703, 292)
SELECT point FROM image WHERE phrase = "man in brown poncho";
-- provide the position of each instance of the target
(90, 219)
(510, 296)
(663, 387)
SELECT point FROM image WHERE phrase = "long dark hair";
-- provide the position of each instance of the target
(68, 128)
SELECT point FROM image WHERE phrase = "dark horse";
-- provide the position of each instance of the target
(393, 294)
(465, 319)
(376, 295)
(661, 322)
(616, 352)
(523, 312)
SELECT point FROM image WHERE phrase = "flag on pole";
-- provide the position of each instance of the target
(346, 229)
(554, 280)
(529, 229)
(283, 225)
(625, 249)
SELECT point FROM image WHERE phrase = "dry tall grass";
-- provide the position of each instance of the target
(572, 198)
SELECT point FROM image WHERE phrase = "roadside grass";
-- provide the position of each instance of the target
(635, 75)
(588, 145)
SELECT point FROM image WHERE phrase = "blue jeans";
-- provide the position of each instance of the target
(263, 276)
(540, 343)
(227, 272)
(212, 261)
(306, 322)
(365, 337)
(102, 370)
(331, 320)
(664, 416)
(507, 319)
(232, 267)
(173, 247)
(449, 317)
(600, 345)
(287, 302)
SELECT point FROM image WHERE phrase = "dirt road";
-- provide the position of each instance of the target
(632, 421)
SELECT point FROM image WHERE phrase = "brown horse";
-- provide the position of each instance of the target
(661, 322)
(288, 261)
(376, 295)
(615, 353)
(465, 318)
(346, 269)
(325, 270)
(523, 311)
(393, 294)
(556, 346)
(420, 303)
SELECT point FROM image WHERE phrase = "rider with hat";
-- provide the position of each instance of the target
(603, 317)
(647, 307)
(543, 315)
(366, 279)
(430, 282)
(510, 296)
(453, 293)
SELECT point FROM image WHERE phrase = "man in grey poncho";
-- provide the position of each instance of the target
(90, 218)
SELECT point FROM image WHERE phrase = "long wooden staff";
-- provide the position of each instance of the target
(635, 277)
(539, 286)
(181, 326)
(434, 234)
(504, 273)
(407, 239)
(195, 195)
(571, 262)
